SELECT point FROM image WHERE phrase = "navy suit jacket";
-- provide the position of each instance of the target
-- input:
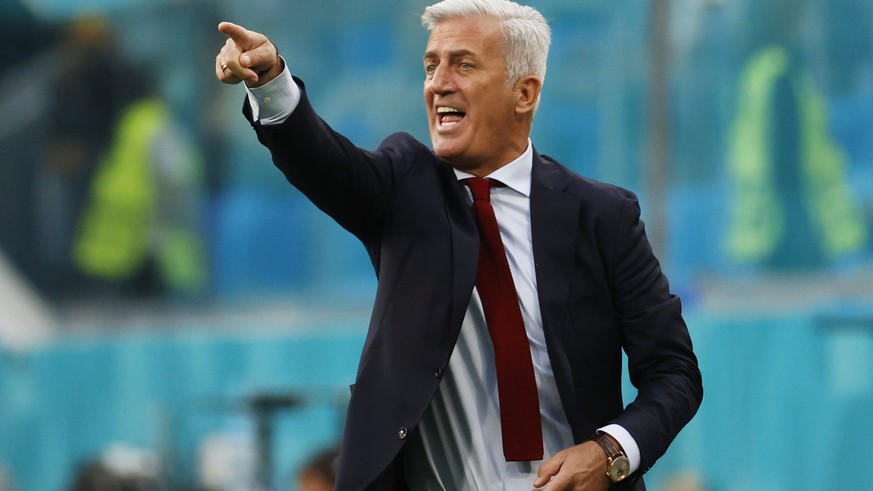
(600, 288)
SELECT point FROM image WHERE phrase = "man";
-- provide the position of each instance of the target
(431, 394)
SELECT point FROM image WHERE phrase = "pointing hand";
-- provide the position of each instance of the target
(246, 56)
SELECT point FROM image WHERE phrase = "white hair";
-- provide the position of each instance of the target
(526, 33)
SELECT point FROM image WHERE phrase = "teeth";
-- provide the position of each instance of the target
(445, 109)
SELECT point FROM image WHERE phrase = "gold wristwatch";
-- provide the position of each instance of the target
(617, 464)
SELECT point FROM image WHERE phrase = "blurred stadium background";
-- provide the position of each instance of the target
(171, 307)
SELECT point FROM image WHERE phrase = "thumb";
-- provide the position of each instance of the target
(548, 469)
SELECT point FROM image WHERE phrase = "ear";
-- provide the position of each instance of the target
(527, 93)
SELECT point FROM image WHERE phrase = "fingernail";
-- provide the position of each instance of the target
(246, 60)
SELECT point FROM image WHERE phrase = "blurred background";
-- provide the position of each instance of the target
(173, 315)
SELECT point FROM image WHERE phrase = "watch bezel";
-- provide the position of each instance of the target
(618, 468)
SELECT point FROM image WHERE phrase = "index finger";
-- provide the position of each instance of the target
(243, 38)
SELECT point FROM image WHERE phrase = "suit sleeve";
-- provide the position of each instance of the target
(350, 184)
(661, 362)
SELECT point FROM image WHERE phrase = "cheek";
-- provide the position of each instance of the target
(493, 105)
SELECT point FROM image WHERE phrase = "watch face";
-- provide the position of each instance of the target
(619, 468)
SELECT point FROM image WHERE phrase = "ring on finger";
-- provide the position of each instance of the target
(223, 67)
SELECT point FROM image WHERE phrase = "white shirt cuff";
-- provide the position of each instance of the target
(274, 101)
(627, 442)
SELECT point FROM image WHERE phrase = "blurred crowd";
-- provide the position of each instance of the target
(115, 177)
(102, 188)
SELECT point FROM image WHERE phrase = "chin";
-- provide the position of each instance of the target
(446, 146)
(452, 151)
(443, 151)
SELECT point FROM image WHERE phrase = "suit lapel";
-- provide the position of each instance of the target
(465, 248)
(554, 225)
(554, 228)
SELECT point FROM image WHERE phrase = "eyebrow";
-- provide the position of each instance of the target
(458, 53)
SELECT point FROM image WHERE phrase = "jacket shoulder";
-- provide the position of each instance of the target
(588, 189)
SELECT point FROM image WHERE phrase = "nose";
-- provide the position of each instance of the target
(440, 82)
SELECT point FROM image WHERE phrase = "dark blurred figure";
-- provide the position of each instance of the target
(119, 192)
(22, 33)
(97, 476)
(23, 101)
(792, 209)
(319, 473)
(90, 93)
(99, 189)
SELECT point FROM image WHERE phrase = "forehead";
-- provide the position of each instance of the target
(477, 35)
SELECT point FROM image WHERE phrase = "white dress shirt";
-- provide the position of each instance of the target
(459, 438)
(459, 445)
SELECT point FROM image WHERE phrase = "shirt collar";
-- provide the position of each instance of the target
(515, 175)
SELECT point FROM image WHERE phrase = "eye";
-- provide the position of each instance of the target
(429, 68)
(466, 65)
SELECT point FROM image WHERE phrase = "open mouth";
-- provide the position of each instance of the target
(449, 116)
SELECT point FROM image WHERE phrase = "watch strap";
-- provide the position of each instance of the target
(613, 451)
(618, 466)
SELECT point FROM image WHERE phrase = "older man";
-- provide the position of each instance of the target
(493, 358)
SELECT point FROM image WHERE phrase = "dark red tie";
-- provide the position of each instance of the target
(516, 384)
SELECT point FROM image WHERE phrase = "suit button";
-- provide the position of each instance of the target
(402, 432)
(438, 372)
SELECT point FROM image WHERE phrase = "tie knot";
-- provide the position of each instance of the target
(480, 188)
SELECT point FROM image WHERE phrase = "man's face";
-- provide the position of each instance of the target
(470, 108)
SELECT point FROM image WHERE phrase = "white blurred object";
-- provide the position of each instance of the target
(131, 462)
(25, 321)
(227, 461)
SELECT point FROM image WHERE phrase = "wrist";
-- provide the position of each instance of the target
(617, 463)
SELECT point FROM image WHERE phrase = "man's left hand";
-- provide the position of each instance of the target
(579, 468)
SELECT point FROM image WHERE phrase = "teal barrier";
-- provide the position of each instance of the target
(788, 403)
(167, 391)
